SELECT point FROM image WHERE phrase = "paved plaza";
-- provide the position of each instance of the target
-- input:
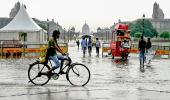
(110, 80)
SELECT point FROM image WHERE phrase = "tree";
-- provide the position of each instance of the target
(138, 34)
(165, 35)
(23, 36)
(137, 26)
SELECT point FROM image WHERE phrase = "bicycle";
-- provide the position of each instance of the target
(76, 73)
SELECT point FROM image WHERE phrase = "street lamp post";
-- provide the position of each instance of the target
(143, 24)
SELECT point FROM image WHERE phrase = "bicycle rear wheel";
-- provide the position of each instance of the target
(36, 74)
(78, 74)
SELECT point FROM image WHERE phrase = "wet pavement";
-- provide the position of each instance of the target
(110, 80)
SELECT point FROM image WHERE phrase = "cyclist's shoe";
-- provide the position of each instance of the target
(48, 73)
(62, 72)
(55, 76)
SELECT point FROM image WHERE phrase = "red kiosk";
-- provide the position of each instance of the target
(121, 41)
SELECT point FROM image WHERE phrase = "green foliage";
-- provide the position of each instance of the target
(137, 26)
(138, 34)
(22, 36)
(165, 35)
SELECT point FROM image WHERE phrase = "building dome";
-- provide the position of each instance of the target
(85, 29)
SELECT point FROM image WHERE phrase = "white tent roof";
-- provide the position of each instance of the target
(21, 22)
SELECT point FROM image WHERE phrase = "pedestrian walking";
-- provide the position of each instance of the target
(90, 46)
(86, 42)
(141, 48)
(149, 53)
(148, 45)
(84, 45)
(78, 43)
(98, 45)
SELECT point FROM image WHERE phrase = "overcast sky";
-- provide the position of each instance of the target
(97, 13)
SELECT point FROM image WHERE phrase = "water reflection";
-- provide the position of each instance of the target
(53, 93)
(83, 60)
(119, 63)
(89, 60)
(77, 93)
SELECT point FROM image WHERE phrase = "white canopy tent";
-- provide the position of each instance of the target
(22, 22)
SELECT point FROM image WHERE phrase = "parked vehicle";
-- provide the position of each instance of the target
(121, 41)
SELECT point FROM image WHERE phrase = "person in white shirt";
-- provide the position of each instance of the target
(125, 44)
(98, 45)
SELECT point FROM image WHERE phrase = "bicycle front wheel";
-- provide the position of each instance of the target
(78, 74)
(36, 74)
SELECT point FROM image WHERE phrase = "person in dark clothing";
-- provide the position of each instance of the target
(90, 46)
(78, 43)
(120, 33)
(148, 44)
(86, 42)
(98, 45)
(148, 51)
(141, 48)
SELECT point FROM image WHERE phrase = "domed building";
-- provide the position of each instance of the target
(85, 29)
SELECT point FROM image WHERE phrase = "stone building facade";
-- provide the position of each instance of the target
(157, 12)
(158, 21)
(161, 25)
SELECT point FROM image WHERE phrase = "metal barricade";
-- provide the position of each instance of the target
(64, 47)
(27, 51)
(160, 50)
(105, 48)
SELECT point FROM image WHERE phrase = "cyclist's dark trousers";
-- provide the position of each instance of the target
(142, 57)
(97, 51)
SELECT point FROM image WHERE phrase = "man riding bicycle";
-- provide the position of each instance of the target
(52, 54)
(39, 73)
